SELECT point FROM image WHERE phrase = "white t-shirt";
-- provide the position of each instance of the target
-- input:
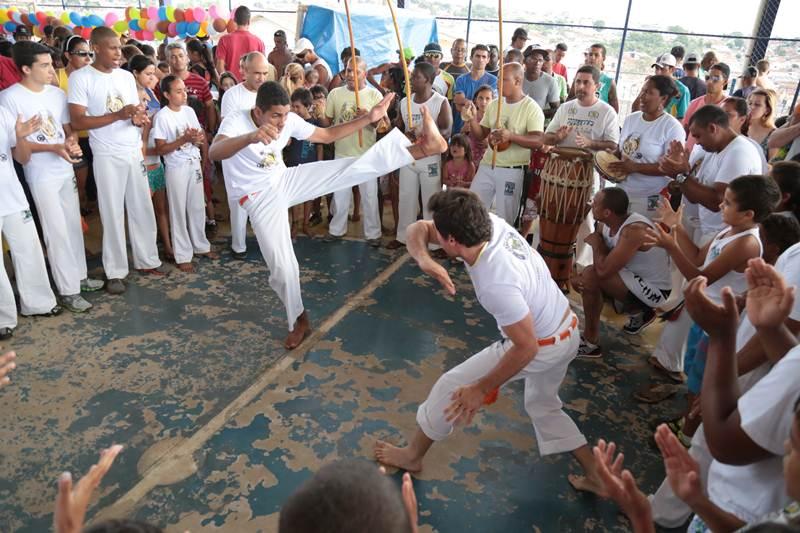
(237, 98)
(512, 280)
(764, 164)
(794, 149)
(432, 104)
(739, 158)
(12, 198)
(597, 121)
(51, 106)
(169, 125)
(543, 90)
(645, 141)
(320, 61)
(103, 93)
(253, 167)
(766, 413)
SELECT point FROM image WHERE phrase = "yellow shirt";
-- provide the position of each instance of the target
(63, 84)
(341, 108)
(519, 118)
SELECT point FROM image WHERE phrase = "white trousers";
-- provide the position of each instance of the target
(267, 208)
(122, 186)
(369, 207)
(60, 216)
(238, 222)
(555, 430)
(187, 210)
(35, 295)
(503, 186)
(424, 175)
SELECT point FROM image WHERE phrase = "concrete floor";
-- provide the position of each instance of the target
(220, 424)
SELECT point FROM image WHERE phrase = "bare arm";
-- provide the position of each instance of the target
(783, 136)
(81, 121)
(211, 115)
(220, 64)
(334, 133)
(612, 97)
(224, 147)
(708, 197)
(609, 263)
(445, 120)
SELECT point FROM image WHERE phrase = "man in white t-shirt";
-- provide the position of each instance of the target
(18, 229)
(521, 125)
(540, 336)
(238, 98)
(49, 172)
(341, 108)
(719, 157)
(250, 145)
(589, 123)
(539, 85)
(424, 176)
(104, 100)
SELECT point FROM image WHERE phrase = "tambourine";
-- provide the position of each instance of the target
(602, 162)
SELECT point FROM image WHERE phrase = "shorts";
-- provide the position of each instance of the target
(642, 290)
(156, 179)
(694, 360)
(86, 159)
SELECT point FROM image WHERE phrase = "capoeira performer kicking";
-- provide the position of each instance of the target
(540, 334)
(250, 143)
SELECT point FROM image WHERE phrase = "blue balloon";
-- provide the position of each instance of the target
(10, 26)
(33, 20)
(134, 25)
(96, 20)
(180, 27)
(86, 21)
(192, 28)
(76, 18)
(162, 13)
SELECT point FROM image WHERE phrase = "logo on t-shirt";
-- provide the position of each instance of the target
(48, 131)
(631, 146)
(347, 113)
(268, 160)
(3, 158)
(114, 103)
(514, 244)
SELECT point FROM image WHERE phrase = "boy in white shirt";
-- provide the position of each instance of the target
(16, 226)
(104, 100)
(180, 139)
(49, 172)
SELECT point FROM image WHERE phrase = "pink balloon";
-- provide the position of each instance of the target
(151, 25)
(152, 13)
(171, 29)
(147, 35)
(213, 13)
(199, 14)
(111, 18)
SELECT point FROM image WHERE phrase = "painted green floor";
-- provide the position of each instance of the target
(221, 425)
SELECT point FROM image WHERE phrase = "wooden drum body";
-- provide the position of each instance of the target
(567, 180)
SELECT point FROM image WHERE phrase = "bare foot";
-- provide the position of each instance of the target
(402, 458)
(587, 484)
(210, 255)
(431, 141)
(185, 267)
(301, 328)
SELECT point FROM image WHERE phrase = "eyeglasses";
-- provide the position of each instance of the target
(83, 54)
(434, 55)
(714, 78)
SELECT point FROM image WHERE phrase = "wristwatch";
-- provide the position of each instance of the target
(680, 178)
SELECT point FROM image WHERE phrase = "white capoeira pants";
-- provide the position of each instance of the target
(267, 208)
(555, 430)
(238, 222)
(122, 186)
(60, 216)
(369, 208)
(35, 295)
(501, 186)
(187, 210)
(424, 175)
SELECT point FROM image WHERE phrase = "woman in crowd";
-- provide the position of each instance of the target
(761, 119)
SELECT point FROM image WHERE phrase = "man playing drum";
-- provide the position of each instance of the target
(521, 125)
(589, 123)
(624, 269)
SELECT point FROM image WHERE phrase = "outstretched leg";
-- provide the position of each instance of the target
(408, 458)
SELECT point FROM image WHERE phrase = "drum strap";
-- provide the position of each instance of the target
(547, 253)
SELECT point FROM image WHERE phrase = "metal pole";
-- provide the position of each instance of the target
(622, 43)
(469, 21)
(794, 100)
(763, 29)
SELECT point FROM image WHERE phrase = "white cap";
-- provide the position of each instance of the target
(665, 60)
(304, 44)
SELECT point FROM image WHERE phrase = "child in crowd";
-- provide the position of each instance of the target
(180, 139)
(320, 96)
(483, 97)
(748, 201)
(312, 78)
(302, 152)
(459, 168)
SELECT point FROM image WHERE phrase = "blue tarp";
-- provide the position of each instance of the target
(373, 32)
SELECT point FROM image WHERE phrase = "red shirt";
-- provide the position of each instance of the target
(9, 74)
(559, 68)
(233, 46)
(196, 87)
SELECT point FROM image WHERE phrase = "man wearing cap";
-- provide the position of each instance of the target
(519, 39)
(233, 46)
(304, 52)
(469, 83)
(444, 82)
(559, 67)
(280, 56)
(539, 85)
(665, 66)
(691, 78)
(22, 33)
(716, 83)
(748, 77)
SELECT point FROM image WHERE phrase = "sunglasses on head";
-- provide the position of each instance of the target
(83, 54)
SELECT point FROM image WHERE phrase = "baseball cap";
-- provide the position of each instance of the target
(280, 33)
(691, 59)
(407, 52)
(722, 67)
(22, 30)
(665, 60)
(536, 49)
(432, 48)
(750, 72)
(520, 32)
(303, 44)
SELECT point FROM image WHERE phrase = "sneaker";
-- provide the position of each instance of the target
(91, 285)
(331, 238)
(115, 286)
(589, 350)
(375, 243)
(639, 321)
(6, 333)
(239, 256)
(75, 303)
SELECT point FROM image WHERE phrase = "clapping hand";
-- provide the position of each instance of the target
(563, 132)
(582, 141)
(668, 216)
(683, 472)
(469, 111)
(676, 161)
(620, 484)
(657, 236)
(716, 320)
(769, 299)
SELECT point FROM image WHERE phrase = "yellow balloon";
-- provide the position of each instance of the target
(170, 13)
(159, 36)
(65, 18)
(3, 16)
(201, 32)
(135, 13)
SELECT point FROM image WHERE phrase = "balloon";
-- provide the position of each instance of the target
(199, 14)
(134, 25)
(232, 26)
(134, 13)
(96, 20)
(120, 26)
(213, 12)
(10, 26)
(162, 26)
(192, 28)
(162, 13)
(65, 17)
(152, 12)
(76, 19)
(3, 16)
(188, 15)
(86, 33)
(172, 29)
(180, 27)
(179, 15)
(111, 18)
(159, 36)
(147, 35)
(23, 19)
(171, 14)
(219, 25)
(42, 17)
(202, 33)
(151, 25)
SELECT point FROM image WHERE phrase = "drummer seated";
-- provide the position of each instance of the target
(634, 276)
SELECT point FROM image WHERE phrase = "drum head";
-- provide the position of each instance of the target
(571, 153)
(602, 162)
